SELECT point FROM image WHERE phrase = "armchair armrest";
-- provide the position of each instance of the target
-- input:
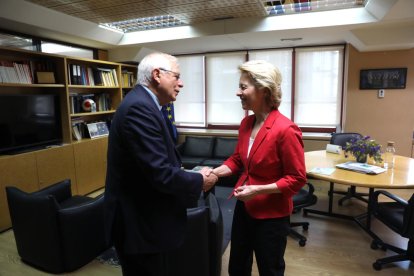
(60, 191)
(180, 148)
(311, 188)
(89, 214)
(83, 224)
(389, 195)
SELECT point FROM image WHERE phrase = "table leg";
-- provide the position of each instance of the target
(330, 212)
(367, 225)
(358, 219)
(331, 190)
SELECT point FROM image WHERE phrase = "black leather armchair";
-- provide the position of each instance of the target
(341, 139)
(398, 215)
(304, 198)
(201, 251)
(55, 231)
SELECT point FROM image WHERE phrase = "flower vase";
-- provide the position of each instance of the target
(362, 158)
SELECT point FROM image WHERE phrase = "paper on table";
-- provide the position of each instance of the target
(326, 171)
(361, 167)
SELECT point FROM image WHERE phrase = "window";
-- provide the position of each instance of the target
(189, 109)
(318, 86)
(61, 49)
(282, 59)
(223, 106)
(16, 42)
(311, 87)
(27, 42)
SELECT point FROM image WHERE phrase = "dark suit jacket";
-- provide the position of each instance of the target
(146, 192)
(276, 155)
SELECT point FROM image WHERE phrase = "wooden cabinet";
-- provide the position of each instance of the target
(19, 171)
(90, 164)
(56, 164)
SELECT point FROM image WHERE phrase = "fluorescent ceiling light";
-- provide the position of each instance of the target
(146, 23)
(110, 28)
(279, 7)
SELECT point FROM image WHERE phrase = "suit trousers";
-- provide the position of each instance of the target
(267, 238)
(155, 264)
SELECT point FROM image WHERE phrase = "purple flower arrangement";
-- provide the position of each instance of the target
(361, 148)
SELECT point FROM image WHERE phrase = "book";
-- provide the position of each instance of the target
(76, 133)
(361, 167)
(78, 126)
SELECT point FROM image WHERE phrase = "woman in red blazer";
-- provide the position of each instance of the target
(270, 157)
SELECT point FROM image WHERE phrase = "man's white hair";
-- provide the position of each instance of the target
(151, 62)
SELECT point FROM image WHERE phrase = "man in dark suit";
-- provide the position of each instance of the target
(147, 193)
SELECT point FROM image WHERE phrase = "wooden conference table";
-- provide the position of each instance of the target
(400, 177)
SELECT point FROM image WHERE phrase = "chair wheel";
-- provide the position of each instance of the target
(377, 266)
(305, 227)
(302, 243)
(374, 245)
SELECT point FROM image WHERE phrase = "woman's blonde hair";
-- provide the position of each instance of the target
(265, 76)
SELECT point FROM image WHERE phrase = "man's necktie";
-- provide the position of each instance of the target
(168, 113)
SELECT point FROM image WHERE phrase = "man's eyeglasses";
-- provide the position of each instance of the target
(176, 75)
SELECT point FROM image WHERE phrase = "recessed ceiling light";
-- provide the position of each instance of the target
(291, 39)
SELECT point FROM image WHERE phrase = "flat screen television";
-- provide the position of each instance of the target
(29, 122)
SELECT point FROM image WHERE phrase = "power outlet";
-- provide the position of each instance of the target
(381, 93)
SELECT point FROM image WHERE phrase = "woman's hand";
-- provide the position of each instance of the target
(245, 193)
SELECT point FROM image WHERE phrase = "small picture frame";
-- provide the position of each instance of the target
(98, 129)
(389, 78)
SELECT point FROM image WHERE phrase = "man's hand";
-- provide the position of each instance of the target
(209, 179)
(206, 171)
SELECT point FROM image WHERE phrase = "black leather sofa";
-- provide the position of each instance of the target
(209, 151)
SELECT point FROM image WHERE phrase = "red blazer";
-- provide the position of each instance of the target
(276, 155)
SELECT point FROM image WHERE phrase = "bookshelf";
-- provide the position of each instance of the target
(94, 93)
(128, 77)
(82, 160)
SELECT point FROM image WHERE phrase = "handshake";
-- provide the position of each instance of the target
(209, 178)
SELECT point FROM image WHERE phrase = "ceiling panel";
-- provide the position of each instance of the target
(187, 11)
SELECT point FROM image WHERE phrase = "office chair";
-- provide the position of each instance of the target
(304, 198)
(398, 215)
(341, 139)
(55, 231)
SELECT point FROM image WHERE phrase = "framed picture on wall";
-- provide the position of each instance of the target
(390, 78)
